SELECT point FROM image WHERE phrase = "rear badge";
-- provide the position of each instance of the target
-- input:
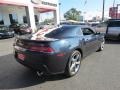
(21, 57)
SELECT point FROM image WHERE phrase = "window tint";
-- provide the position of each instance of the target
(114, 24)
(87, 31)
(65, 31)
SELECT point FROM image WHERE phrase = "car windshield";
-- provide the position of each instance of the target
(114, 24)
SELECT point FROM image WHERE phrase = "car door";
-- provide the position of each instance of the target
(90, 40)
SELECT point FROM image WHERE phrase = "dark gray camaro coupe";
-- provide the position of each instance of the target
(58, 50)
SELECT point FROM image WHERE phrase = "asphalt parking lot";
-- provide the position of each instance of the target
(99, 71)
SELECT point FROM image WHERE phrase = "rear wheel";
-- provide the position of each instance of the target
(73, 64)
(119, 36)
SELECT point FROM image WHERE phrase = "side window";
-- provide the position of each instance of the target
(87, 31)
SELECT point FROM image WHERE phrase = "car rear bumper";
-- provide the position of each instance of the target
(34, 65)
(44, 62)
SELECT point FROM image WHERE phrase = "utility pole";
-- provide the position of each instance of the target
(103, 11)
(113, 3)
(60, 11)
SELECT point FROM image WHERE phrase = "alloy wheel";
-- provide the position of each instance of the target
(74, 63)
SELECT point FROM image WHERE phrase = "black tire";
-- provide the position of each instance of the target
(119, 36)
(68, 71)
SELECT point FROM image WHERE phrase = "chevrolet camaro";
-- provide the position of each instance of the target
(58, 50)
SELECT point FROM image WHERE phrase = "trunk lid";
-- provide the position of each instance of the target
(27, 41)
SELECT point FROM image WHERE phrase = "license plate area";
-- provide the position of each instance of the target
(21, 56)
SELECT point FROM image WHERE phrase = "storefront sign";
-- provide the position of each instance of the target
(43, 2)
(36, 1)
(49, 4)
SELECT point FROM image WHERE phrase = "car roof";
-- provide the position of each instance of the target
(81, 26)
(114, 20)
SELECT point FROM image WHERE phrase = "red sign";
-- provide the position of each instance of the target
(113, 12)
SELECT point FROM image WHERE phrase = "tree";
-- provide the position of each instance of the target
(48, 21)
(72, 14)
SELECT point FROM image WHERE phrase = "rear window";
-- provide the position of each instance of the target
(114, 24)
(64, 31)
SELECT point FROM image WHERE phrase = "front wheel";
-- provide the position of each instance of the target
(73, 64)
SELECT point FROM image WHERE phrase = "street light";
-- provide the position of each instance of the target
(103, 10)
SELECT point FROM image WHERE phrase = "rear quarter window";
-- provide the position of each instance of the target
(63, 32)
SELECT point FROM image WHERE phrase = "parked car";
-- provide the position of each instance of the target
(59, 50)
(14, 27)
(39, 26)
(42, 26)
(101, 27)
(94, 24)
(24, 29)
(21, 29)
(5, 32)
(113, 29)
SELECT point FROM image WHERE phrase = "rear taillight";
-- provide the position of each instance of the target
(41, 49)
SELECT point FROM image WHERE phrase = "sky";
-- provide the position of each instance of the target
(90, 8)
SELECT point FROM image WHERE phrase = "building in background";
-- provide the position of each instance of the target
(114, 12)
(27, 11)
(81, 18)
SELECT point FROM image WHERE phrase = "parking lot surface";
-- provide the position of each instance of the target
(99, 71)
